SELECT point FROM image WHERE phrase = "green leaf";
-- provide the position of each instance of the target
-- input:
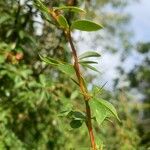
(102, 109)
(2, 59)
(4, 18)
(96, 90)
(75, 124)
(67, 69)
(98, 140)
(99, 111)
(77, 115)
(89, 54)
(74, 94)
(9, 33)
(84, 82)
(21, 34)
(47, 16)
(85, 25)
(90, 67)
(110, 107)
(49, 60)
(87, 62)
(64, 113)
(62, 66)
(42, 79)
(41, 6)
(70, 8)
(62, 21)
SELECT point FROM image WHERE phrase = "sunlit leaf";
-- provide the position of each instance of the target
(102, 109)
(62, 21)
(89, 54)
(85, 25)
(62, 66)
(41, 6)
(70, 8)
(49, 60)
(90, 67)
(110, 107)
(99, 111)
(67, 69)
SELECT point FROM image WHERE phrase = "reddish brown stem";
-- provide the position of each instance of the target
(81, 84)
(89, 125)
(83, 90)
(76, 64)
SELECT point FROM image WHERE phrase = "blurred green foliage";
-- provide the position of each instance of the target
(32, 94)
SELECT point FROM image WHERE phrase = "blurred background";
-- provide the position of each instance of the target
(32, 93)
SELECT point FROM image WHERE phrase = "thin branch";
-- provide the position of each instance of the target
(83, 90)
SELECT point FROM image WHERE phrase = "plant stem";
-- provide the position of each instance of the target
(82, 86)
(83, 89)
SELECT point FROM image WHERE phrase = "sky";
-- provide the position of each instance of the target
(140, 20)
(140, 25)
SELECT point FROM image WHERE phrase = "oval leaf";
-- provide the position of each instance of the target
(75, 124)
(62, 21)
(89, 54)
(102, 109)
(70, 8)
(110, 107)
(99, 111)
(85, 25)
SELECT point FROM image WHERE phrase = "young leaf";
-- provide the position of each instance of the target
(102, 109)
(49, 60)
(62, 21)
(62, 66)
(75, 124)
(84, 82)
(85, 25)
(90, 67)
(89, 54)
(96, 90)
(87, 62)
(70, 8)
(41, 6)
(47, 16)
